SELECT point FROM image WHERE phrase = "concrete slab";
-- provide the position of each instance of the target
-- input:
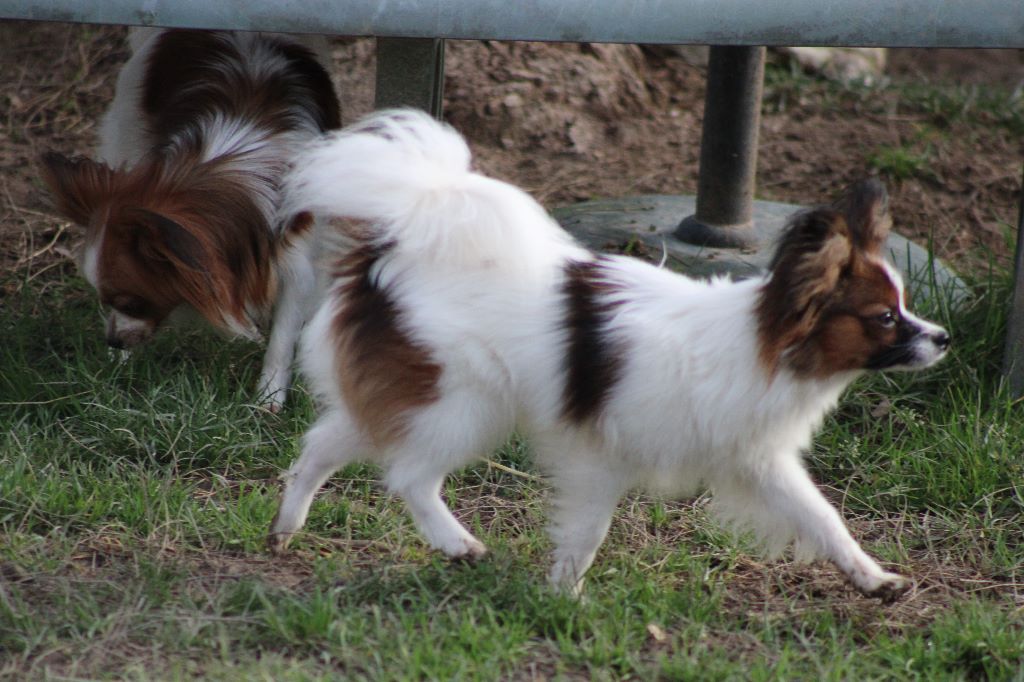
(610, 224)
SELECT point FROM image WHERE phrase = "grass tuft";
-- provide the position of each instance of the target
(136, 495)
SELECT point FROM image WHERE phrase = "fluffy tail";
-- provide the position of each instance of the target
(409, 178)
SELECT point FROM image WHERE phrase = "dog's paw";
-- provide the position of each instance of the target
(119, 357)
(889, 587)
(564, 579)
(466, 549)
(277, 543)
(273, 405)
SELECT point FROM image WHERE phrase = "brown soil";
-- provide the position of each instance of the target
(570, 122)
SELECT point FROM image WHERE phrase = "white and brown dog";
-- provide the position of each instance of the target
(468, 312)
(183, 209)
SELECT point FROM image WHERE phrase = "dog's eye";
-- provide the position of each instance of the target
(887, 319)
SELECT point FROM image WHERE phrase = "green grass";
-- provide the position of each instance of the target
(899, 162)
(134, 498)
(942, 107)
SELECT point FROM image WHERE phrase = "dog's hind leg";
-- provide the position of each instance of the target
(584, 501)
(421, 490)
(450, 434)
(330, 444)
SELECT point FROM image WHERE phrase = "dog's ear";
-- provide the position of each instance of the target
(813, 253)
(78, 185)
(169, 240)
(865, 206)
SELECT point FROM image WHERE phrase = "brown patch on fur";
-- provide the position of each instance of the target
(819, 313)
(593, 361)
(300, 223)
(75, 184)
(848, 334)
(865, 207)
(382, 372)
(297, 228)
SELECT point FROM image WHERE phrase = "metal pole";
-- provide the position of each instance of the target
(728, 150)
(410, 73)
(1013, 354)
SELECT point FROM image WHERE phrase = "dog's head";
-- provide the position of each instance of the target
(833, 304)
(154, 243)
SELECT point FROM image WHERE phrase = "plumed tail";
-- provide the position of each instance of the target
(407, 179)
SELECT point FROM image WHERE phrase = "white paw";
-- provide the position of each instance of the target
(887, 586)
(464, 549)
(564, 579)
(273, 405)
(272, 391)
(277, 543)
(272, 398)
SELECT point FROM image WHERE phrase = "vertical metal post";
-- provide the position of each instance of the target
(410, 73)
(1013, 353)
(728, 150)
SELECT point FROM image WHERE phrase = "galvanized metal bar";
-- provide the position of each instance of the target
(911, 23)
(410, 73)
(1013, 353)
(728, 150)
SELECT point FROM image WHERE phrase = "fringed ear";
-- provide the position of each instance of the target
(78, 185)
(805, 272)
(196, 277)
(170, 240)
(866, 209)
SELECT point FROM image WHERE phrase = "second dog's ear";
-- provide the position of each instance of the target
(78, 185)
(865, 206)
(171, 240)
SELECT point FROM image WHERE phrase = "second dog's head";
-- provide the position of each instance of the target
(160, 238)
(833, 304)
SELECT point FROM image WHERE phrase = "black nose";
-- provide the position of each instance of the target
(115, 342)
(941, 339)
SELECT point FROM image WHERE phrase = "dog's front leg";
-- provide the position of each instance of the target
(290, 313)
(789, 495)
(582, 508)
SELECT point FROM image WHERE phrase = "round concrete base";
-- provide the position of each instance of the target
(614, 224)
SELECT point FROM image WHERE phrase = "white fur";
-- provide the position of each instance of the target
(90, 265)
(927, 353)
(476, 270)
(262, 156)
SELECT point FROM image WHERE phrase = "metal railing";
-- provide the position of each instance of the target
(911, 23)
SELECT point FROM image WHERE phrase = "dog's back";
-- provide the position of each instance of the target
(174, 79)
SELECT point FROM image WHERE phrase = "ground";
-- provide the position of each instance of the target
(136, 496)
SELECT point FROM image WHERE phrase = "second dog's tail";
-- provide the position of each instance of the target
(409, 178)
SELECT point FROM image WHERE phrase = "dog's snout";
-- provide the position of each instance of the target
(941, 339)
(115, 342)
